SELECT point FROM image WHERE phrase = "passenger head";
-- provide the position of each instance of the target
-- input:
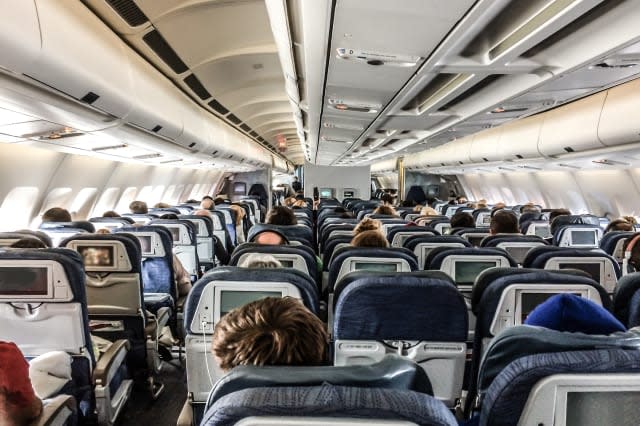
(270, 238)
(289, 201)
(270, 331)
(207, 203)
(385, 210)
(619, 225)
(28, 242)
(138, 207)
(387, 199)
(370, 239)
(102, 231)
(240, 213)
(462, 220)
(504, 222)
(161, 205)
(110, 213)
(632, 220)
(281, 215)
(19, 404)
(56, 214)
(300, 204)
(367, 224)
(260, 260)
(202, 212)
(428, 211)
(461, 199)
(170, 216)
(558, 212)
(219, 200)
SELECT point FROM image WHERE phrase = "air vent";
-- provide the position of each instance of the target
(568, 149)
(503, 110)
(353, 106)
(170, 161)
(518, 156)
(192, 144)
(486, 160)
(89, 98)
(128, 11)
(254, 134)
(436, 91)
(156, 129)
(390, 143)
(147, 156)
(570, 166)
(235, 120)
(471, 91)
(245, 127)
(342, 126)
(214, 152)
(610, 64)
(217, 107)
(530, 167)
(261, 139)
(160, 46)
(606, 162)
(368, 142)
(194, 84)
(516, 24)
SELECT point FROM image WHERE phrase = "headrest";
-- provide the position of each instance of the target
(125, 220)
(340, 255)
(254, 236)
(163, 234)
(413, 241)
(538, 256)
(417, 230)
(18, 235)
(78, 224)
(207, 220)
(191, 228)
(292, 232)
(625, 294)
(568, 312)
(436, 257)
(494, 240)
(130, 242)
(392, 372)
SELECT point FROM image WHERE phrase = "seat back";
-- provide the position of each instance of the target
(602, 267)
(204, 237)
(626, 300)
(473, 235)
(515, 244)
(58, 231)
(300, 233)
(185, 244)
(229, 220)
(8, 238)
(398, 235)
(578, 236)
(540, 228)
(421, 245)
(349, 259)
(419, 315)
(482, 217)
(532, 375)
(218, 292)
(612, 243)
(111, 223)
(300, 258)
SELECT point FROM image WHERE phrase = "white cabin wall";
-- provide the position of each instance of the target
(601, 192)
(34, 179)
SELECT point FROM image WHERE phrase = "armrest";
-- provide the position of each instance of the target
(156, 322)
(180, 303)
(113, 357)
(186, 415)
(53, 408)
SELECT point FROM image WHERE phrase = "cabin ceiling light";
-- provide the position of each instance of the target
(107, 148)
(147, 156)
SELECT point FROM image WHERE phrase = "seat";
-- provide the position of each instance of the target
(115, 300)
(301, 258)
(419, 315)
(205, 240)
(533, 376)
(60, 410)
(397, 236)
(482, 217)
(111, 223)
(332, 230)
(216, 293)
(421, 245)
(540, 228)
(8, 238)
(140, 219)
(578, 235)
(626, 300)
(473, 235)
(612, 243)
(515, 244)
(229, 220)
(602, 267)
(185, 244)
(349, 259)
(331, 246)
(43, 308)
(300, 233)
(220, 230)
(58, 231)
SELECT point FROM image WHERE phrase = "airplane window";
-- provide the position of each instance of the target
(18, 201)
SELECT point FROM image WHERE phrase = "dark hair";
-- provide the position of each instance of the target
(462, 220)
(110, 213)
(387, 198)
(558, 212)
(171, 216)
(281, 215)
(386, 210)
(619, 225)
(270, 331)
(370, 239)
(28, 242)
(504, 222)
(138, 207)
(367, 224)
(56, 214)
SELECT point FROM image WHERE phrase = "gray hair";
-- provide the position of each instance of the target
(260, 260)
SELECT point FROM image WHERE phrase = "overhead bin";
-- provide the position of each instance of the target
(572, 127)
(620, 118)
(519, 139)
(485, 145)
(384, 166)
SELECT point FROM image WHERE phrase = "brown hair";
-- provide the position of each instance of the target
(270, 331)
(370, 239)
(281, 215)
(56, 214)
(386, 210)
(504, 222)
(619, 225)
(110, 213)
(367, 224)
(138, 207)
(240, 213)
(28, 242)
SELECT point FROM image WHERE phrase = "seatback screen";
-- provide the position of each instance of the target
(446, 230)
(475, 240)
(376, 267)
(30, 281)
(230, 299)
(467, 271)
(97, 255)
(486, 220)
(583, 238)
(326, 192)
(542, 231)
(175, 234)
(286, 263)
(529, 301)
(145, 244)
(592, 269)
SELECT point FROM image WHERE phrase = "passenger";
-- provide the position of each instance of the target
(428, 211)
(169, 216)
(19, 404)
(498, 206)
(103, 231)
(632, 220)
(417, 208)
(558, 212)
(504, 222)
(161, 205)
(110, 213)
(387, 199)
(529, 208)
(462, 220)
(619, 225)
(28, 242)
(370, 239)
(138, 207)
(385, 210)
(220, 252)
(270, 238)
(270, 331)
(300, 204)
(367, 224)
(207, 203)
(634, 259)
(461, 199)
(281, 215)
(289, 201)
(296, 185)
(240, 214)
(260, 260)
(56, 214)
(220, 199)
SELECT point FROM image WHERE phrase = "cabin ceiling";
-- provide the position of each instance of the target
(221, 53)
(375, 79)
